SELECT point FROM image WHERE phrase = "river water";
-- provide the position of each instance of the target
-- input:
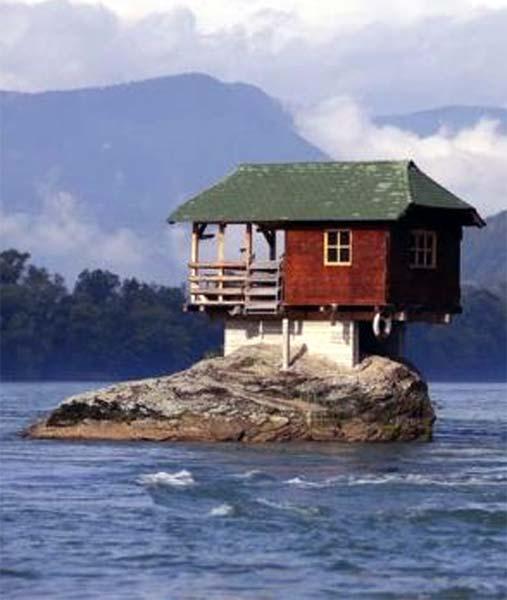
(107, 520)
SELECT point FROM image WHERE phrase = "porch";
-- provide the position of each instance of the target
(244, 286)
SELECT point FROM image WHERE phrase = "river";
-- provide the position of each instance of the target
(101, 520)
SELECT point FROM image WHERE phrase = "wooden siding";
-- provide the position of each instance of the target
(437, 287)
(308, 281)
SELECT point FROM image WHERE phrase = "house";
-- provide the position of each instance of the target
(334, 257)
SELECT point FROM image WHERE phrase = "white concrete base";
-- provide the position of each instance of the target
(337, 341)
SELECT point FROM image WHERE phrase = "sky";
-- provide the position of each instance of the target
(392, 55)
(334, 64)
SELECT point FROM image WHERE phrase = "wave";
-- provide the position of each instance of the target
(304, 483)
(224, 510)
(255, 476)
(486, 478)
(307, 511)
(252, 474)
(179, 479)
(492, 515)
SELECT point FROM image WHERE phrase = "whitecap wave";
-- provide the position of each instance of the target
(252, 474)
(307, 511)
(224, 510)
(493, 477)
(179, 479)
(305, 483)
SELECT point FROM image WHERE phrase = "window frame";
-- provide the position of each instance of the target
(421, 249)
(338, 246)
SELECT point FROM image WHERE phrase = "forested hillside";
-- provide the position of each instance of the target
(104, 328)
(472, 348)
(484, 258)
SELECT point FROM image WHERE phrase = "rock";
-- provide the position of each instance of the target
(246, 397)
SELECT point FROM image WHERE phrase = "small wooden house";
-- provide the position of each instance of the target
(352, 252)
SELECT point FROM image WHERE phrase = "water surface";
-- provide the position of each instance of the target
(84, 520)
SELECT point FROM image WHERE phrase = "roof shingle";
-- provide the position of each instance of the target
(318, 191)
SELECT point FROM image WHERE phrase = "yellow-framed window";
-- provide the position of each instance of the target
(338, 247)
(423, 249)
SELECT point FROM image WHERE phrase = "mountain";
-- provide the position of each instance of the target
(484, 260)
(453, 118)
(134, 150)
(128, 154)
(472, 348)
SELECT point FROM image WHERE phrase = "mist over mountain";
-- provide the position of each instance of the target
(89, 176)
(133, 151)
(451, 118)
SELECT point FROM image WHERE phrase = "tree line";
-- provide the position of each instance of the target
(112, 328)
(104, 328)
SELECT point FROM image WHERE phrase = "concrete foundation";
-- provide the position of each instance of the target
(338, 342)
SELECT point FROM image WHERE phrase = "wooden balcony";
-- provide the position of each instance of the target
(240, 287)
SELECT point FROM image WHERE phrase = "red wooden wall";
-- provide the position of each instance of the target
(309, 282)
(379, 274)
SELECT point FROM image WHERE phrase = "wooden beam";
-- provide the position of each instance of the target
(248, 243)
(272, 247)
(221, 254)
(220, 243)
(218, 265)
(194, 251)
(194, 255)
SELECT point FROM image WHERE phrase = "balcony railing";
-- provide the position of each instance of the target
(243, 288)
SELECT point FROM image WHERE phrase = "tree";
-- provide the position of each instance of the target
(12, 265)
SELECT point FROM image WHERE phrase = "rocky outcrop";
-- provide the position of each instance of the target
(246, 397)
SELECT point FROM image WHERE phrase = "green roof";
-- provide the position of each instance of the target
(320, 191)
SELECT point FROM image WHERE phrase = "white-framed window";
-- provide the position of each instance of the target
(338, 247)
(423, 249)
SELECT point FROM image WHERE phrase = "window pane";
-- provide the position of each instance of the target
(332, 238)
(344, 238)
(332, 255)
(344, 255)
(412, 258)
(429, 241)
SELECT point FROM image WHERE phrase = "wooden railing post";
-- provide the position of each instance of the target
(221, 256)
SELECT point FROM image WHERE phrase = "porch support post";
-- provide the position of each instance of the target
(194, 252)
(272, 245)
(220, 242)
(285, 344)
(194, 258)
(248, 243)
(221, 256)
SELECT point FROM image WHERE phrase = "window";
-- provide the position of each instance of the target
(338, 247)
(423, 249)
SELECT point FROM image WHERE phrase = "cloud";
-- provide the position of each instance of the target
(392, 56)
(471, 162)
(70, 241)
